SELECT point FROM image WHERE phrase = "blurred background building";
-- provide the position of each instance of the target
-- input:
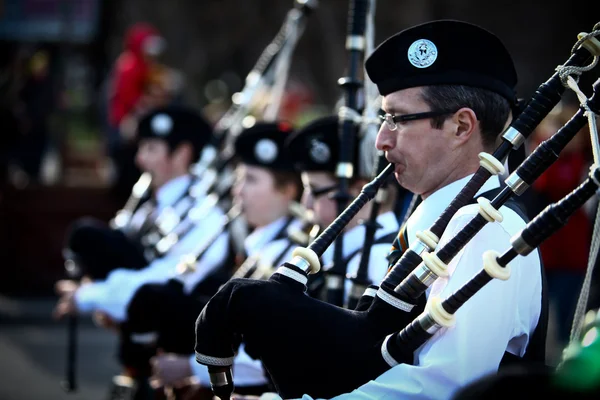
(56, 61)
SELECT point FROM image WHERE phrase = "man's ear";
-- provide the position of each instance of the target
(465, 123)
(291, 191)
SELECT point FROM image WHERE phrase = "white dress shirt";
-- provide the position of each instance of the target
(166, 196)
(500, 317)
(113, 294)
(246, 370)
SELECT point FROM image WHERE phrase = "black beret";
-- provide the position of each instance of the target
(176, 125)
(443, 52)
(263, 145)
(315, 147)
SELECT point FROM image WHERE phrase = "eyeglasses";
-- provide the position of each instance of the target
(392, 120)
(316, 193)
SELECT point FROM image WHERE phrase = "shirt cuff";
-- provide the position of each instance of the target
(88, 295)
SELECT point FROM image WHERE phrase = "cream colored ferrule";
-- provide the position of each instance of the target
(344, 170)
(167, 242)
(491, 163)
(123, 380)
(493, 268)
(437, 312)
(437, 266)
(310, 260)
(514, 137)
(251, 80)
(488, 211)
(355, 42)
(424, 274)
(142, 184)
(186, 264)
(428, 238)
(121, 220)
(591, 44)
(516, 184)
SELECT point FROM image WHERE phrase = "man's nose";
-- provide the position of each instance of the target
(307, 200)
(385, 140)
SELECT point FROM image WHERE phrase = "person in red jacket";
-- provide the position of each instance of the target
(133, 72)
(132, 91)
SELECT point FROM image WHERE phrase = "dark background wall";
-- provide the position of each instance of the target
(209, 37)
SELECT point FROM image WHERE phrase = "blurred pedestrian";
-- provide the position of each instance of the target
(137, 83)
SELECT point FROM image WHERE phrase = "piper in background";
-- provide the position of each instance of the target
(170, 141)
(265, 188)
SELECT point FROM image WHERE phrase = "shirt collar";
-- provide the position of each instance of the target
(433, 206)
(263, 235)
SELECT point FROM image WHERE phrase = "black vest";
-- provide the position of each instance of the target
(535, 354)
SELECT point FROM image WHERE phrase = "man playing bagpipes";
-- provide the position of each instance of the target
(448, 91)
(170, 141)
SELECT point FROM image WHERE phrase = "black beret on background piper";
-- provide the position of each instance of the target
(263, 145)
(443, 52)
(176, 125)
(315, 146)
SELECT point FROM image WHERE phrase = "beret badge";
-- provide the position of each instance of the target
(319, 151)
(265, 151)
(161, 124)
(422, 53)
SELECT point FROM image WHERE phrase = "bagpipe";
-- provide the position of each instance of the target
(351, 85)
(215, 164)
(369, 126)
(140, 189)
(355, 346)
(213, 171)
